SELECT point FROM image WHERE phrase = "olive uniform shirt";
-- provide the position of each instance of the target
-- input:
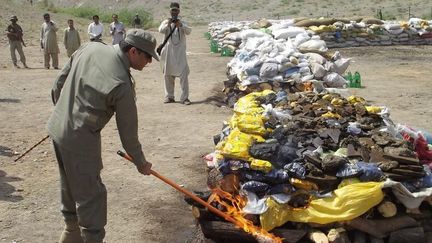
(15, 29)
(95, 84)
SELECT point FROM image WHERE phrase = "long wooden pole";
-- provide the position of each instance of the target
(30, 149)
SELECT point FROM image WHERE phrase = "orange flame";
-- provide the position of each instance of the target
(233, 204)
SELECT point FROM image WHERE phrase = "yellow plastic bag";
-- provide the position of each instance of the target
(347, 203)
(331, 115)
(261, 165)
(327, 97)
(337, 102)
(245, 103)
(252, 124)
(356, 99)
(323, 28)
(373, 109)
(237, 144)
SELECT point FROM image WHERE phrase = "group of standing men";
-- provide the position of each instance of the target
(71, 39)
(173, 56)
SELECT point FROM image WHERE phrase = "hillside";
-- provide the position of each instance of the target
(198, 11)
(202, 12)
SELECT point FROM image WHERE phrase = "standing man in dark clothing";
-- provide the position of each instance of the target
(137, 21)
(15, 36)
(94, 85)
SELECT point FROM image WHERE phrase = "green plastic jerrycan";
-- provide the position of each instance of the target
(357, 80)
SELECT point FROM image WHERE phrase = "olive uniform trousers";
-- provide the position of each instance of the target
(83, 195)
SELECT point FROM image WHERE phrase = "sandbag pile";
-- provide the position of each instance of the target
(226, 33)
(374, 32)
(230, 34)
(335, 167)
(336, 33)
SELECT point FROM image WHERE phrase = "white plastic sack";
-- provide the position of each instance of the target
(409, 199)
(246, 34)
(282, 25)
(313, 46)
(330, 67)
(254, 205)
(318, 70)
(253, 43)
(301, 38)
(269, 70)
(414, 21)
(390, 26)
(334, 80)
(342, 64)
(281, 59)
(315, 57)
(285, 66)
(308, 77)
(229, 42)
(290, 32)
(304, 70)
(395, 31)
(233, 36)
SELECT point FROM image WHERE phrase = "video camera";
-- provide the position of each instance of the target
(174, 19)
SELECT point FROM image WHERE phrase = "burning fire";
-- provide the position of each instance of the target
(233, 205)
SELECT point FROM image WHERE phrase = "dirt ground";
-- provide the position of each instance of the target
(174, 136)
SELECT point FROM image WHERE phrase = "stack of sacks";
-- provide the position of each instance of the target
(226, 32)
(336, 33)
(292, 64)
(229, 34)
(373, 32)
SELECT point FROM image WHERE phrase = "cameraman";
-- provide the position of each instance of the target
(48, 41)
(173, 56)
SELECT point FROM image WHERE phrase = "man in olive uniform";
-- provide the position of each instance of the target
(15, 34)
(48, 38)
(93, 85)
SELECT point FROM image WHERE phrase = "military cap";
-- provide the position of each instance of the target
(142, 40)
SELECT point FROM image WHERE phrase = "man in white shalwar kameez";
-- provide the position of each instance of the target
(173, 56)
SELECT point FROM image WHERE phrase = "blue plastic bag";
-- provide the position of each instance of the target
(255, 186)
(277, 176)
(348, 170)
(370, 172)
(296, 170)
